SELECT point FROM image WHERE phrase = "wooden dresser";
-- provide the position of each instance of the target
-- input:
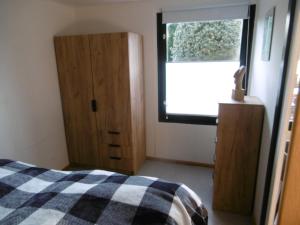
(237, 153)
(101, 84)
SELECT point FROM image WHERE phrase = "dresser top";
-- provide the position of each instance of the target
(249, 100)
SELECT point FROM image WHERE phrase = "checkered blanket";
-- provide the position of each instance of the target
(30, 195)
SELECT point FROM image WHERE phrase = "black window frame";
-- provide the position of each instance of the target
(245, 56)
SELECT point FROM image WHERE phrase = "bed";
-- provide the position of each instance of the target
(31, 195)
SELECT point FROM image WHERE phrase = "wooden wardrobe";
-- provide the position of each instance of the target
(101, 85)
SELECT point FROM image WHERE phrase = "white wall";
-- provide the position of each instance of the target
(265, 81)
(284, 135)
(172, 141)
(31, 123)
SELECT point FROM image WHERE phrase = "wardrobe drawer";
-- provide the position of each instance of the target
(117, 151)
(115, 163)
(117, 137)
(116, 157)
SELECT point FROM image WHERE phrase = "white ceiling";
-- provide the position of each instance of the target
(91, 2)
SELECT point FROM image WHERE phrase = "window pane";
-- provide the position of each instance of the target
(204, 41)
(202, 59)
(196, 88)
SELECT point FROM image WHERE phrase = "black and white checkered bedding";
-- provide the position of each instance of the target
(30, 195)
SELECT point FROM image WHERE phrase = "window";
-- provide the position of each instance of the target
(196, 63)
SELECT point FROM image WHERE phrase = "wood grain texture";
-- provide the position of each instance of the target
(111, 72)
(75, 79)
(136, 69)
(237, 152)
(118, 88)
(290, 202)
(110, 66)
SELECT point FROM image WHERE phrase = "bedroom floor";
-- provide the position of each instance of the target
(200, 180)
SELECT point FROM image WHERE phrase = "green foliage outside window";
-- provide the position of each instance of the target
(204, 41)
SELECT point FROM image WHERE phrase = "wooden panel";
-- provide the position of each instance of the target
(111, 84)
(135, 44)
(114, 138)
(75, 78)
(290, 205)
(115, 151)
(182, 162)
(237, 152)
(118, 151)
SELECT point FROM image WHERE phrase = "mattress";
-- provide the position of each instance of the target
(31, 195)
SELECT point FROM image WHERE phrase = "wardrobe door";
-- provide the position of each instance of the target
(111, 89)
(110, 65)
(76, 86)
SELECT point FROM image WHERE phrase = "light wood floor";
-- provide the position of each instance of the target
(200, 180)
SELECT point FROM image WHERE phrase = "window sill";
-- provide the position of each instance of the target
(189, 119)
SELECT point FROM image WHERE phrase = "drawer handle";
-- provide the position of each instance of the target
(114, 146)
(114, 132)
(115, 158)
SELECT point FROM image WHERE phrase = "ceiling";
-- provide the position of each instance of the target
(91, 2)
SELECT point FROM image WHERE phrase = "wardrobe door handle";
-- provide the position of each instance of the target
(115, 158)
(94, 105)
(114, 146)
(113, 132)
